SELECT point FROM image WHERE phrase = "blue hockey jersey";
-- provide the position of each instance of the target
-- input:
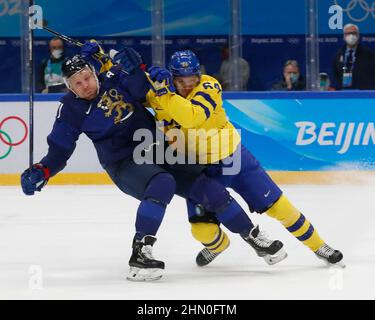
(109, 120)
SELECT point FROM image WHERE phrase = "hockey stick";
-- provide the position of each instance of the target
(31, 89)
(63, 37)
(97, 55)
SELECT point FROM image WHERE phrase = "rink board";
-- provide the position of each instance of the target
(298, 137)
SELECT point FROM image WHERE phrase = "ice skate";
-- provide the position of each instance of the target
(206, 256)
(330, 255)
(270, 250)
(143, 266)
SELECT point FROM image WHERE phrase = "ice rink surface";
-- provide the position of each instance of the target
(74, 242)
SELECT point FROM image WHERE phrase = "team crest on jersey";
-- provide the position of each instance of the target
(111, 102)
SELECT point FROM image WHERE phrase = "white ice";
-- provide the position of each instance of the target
(74, 242)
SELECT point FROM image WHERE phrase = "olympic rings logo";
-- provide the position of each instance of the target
(5, 137)
(359, 4)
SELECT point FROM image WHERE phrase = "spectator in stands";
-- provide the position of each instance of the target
(224, 75)
(292, 79)
(354, 65)
(50, 75)
(325, 82)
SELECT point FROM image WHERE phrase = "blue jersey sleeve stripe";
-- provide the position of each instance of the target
(220, 243)
(207, 97)
(298, 224)
(206, 110)
(307, 234)
(215, 241)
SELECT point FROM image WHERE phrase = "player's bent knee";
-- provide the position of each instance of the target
(210, 194)
(282, 209)
(161, 188)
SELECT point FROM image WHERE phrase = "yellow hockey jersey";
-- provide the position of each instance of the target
(197, 125)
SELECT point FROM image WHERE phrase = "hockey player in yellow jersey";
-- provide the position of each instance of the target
(207, 145)
(184, 99)
(207, 115)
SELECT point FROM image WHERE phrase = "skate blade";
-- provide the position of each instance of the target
(339, 264)
(276, 258)
(142, 274)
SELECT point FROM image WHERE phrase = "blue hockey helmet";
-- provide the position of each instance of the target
(184, 63)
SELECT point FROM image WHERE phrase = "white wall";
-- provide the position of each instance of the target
(84, 159)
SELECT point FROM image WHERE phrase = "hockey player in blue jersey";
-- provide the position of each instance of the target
(109, 116)
(108, 111)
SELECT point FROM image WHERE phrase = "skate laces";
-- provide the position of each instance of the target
(325, 251)
(208, 254)
(261, 239)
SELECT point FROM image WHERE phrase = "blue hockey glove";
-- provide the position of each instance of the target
(128, 58)
(34, 179)
(163, 81)
(89, 48)
(93, 53)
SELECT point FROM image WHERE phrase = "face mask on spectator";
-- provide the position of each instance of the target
(294, 77)
(57, 53)
(323, 84)
(351, 39)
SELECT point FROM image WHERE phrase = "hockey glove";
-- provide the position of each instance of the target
(34, 179)
(93, 53)
(128, 58)
(162, 81)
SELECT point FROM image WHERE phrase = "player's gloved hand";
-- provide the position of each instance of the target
(90, 48)
(34, 179)
(162, 81)
(128, 58)
(93, 53)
